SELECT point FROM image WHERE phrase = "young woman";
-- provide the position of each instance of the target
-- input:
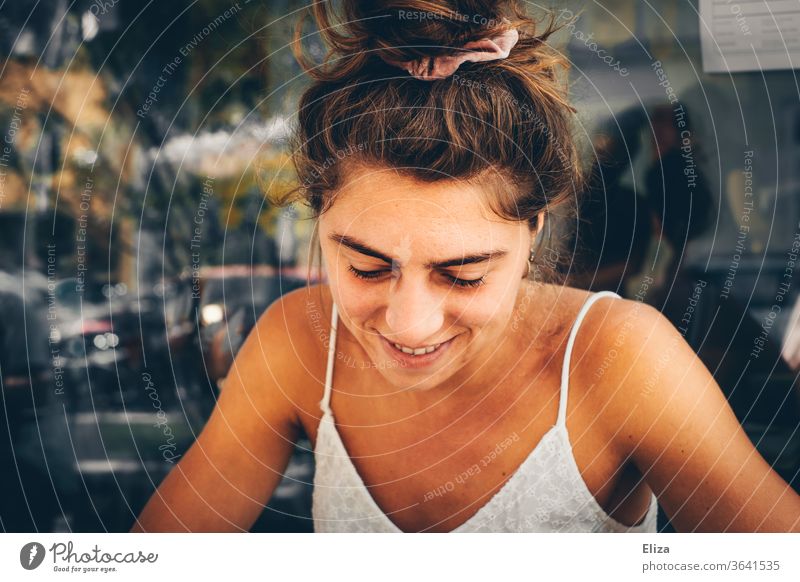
(447, 381)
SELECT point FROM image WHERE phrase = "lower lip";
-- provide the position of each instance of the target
(409, 361)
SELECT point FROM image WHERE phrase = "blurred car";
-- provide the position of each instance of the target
(231, 299)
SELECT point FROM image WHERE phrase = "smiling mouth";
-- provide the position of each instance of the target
(420, 351)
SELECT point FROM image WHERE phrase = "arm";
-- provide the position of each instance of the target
(672, 420)
(228, 475)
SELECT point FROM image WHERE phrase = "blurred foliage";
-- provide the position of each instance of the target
(133, 107)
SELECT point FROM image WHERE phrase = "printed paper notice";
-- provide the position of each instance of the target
(749, 35)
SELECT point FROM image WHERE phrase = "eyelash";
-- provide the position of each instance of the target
(372, 275)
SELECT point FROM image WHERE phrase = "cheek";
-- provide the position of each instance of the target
(358, 302)
(344, 286)
(482, 311)
(359, 312)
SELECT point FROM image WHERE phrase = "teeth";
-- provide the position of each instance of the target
(418, 351)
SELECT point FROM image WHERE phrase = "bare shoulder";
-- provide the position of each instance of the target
(618, 334)
(630, 355)
(299, 307)
(299, 315)
(663, 411)
(302, 318)
(614, 328)
(287, 343)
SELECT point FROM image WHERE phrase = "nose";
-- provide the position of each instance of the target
(414, 314)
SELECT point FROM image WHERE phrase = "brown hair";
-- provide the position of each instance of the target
(508, 117)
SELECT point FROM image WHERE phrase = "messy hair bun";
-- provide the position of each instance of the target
(506, 118)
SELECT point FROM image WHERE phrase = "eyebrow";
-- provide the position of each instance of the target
(361, 247)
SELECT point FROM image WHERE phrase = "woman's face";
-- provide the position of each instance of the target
(421, 267)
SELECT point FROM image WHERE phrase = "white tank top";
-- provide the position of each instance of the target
(545, 494)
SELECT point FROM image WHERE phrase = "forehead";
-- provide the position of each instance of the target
(383, 198)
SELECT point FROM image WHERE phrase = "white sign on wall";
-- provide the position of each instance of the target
(749, 35)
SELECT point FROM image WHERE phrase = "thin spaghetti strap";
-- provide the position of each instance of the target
(326, 397)
(562, 404)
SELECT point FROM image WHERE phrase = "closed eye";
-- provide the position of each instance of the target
(372, 275)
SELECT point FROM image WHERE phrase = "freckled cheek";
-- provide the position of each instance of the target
(361, 303)
(478, 313)
(363, 315)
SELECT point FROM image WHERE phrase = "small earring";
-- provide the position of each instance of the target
(530, 261)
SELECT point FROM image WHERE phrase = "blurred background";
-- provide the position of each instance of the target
(137, 248)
